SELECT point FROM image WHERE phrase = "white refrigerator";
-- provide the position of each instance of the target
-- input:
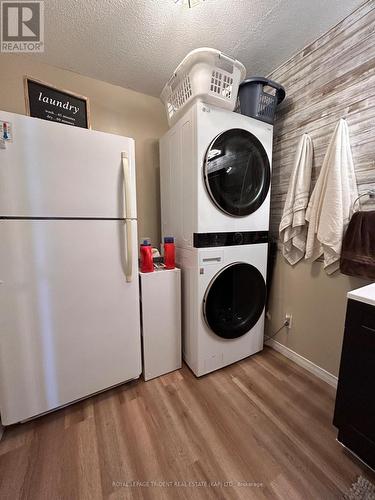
(69, 292)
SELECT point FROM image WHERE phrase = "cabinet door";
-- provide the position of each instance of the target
(355, 403)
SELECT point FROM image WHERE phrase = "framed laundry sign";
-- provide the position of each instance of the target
(50, 103)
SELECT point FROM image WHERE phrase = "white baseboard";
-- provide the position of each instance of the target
(305, 363)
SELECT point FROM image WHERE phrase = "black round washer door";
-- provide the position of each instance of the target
(234, 300)
(237, 172)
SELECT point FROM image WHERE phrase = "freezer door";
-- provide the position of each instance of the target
(55, 170)
(69, 320)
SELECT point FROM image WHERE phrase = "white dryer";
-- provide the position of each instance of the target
(224, 296)
(215, 175)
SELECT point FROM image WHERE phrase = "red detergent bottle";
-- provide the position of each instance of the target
(169, 252)
(147, 264)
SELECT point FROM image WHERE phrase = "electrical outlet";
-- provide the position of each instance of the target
(288, 321)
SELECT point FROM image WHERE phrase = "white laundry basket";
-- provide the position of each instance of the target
(205, 74)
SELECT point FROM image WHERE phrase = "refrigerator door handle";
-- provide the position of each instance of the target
(127, 205)
(129, 252)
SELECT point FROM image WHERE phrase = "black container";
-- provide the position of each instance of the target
(255, 102)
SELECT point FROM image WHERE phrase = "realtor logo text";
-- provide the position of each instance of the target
(22, 26)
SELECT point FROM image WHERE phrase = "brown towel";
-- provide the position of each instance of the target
(358, 249)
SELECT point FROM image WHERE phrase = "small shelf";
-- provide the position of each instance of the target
(161, 322)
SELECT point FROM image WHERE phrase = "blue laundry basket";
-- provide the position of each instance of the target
(255, 102)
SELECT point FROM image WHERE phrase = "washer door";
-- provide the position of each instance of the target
(237, 172)
(234, 300)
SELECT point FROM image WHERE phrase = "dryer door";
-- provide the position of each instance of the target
(234, 300)
(237, 172)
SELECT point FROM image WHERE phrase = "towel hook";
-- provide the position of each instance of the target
(370, 194)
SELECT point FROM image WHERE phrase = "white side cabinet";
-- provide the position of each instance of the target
(161, 322)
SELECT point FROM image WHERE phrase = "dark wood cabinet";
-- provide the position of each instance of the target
(355, 401)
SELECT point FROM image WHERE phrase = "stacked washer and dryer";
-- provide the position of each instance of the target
(215, 201)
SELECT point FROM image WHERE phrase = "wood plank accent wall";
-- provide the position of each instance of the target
(334, 77)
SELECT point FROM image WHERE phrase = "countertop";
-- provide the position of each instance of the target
(364, 294)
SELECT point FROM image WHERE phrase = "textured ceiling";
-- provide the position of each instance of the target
(138, 43)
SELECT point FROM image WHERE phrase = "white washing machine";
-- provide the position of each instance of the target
(224, 295)
(215, 176)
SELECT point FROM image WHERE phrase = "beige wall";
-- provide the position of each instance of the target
(331, 78)
(113, 109)
(317, 303)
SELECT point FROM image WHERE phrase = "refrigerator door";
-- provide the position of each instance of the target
(69, 320)
(54, 170)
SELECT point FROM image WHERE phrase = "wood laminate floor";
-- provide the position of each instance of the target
(259, 429)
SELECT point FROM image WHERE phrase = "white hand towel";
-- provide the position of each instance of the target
(293, 226)
(331, 203)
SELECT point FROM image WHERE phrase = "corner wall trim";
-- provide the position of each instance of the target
(305, 363)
